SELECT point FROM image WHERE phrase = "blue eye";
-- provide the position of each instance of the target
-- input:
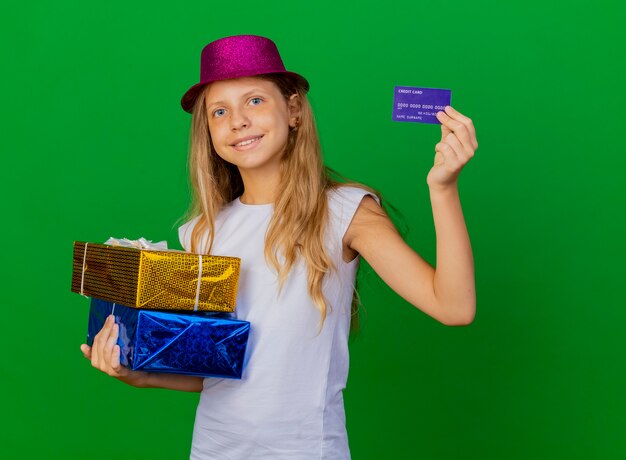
(217, 112)
(256, 99)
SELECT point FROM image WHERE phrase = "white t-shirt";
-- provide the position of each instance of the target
(289, 402)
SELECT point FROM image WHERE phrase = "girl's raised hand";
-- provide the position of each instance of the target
(457, 146)
(104, 354)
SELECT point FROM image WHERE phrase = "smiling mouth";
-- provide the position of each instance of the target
(247, 144)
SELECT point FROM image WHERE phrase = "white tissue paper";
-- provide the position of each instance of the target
(141, 243)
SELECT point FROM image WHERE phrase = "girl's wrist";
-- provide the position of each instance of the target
(448, 190)
(138, 379)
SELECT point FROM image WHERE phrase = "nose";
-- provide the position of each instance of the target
(239, 120)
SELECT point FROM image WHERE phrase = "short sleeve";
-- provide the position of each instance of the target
(343, 203)
(184, 233)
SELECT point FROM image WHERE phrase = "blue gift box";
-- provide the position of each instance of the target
(205, 344)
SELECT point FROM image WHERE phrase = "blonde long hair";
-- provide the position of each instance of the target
(298, 225)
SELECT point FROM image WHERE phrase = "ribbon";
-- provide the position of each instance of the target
(82, 277)
(195, 306)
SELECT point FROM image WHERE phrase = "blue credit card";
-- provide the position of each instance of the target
(419, 105)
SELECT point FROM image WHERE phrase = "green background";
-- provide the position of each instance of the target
(94, 144)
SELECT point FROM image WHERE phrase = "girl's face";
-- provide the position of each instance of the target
(249, 121)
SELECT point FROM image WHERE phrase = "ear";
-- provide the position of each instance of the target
(293, 105)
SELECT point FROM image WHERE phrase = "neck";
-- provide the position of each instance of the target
(260, 187)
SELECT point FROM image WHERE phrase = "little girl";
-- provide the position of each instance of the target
(261, 193)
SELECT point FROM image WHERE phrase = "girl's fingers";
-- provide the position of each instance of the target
(444, 131)
(466, 120)
(463, 154)
(461, 125)
(86, 349)
(457, 127)
(107, 352)
(468, 123)
(95, 347)
(115, 360)
(450, 158)
(439, 159)
(98, 353)
(454, 113)
(98, 343)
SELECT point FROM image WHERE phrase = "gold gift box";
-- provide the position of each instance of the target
(163, 280)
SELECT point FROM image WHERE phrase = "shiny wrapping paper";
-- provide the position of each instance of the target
(161, 280)
(204, 344)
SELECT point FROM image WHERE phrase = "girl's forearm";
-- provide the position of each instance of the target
(174, 382)
(163, 380)
(454, 283)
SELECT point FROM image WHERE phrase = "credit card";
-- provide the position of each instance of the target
(419, 105)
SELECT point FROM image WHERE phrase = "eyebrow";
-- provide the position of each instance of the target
(252, 91)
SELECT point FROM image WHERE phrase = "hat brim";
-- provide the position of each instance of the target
(189, 98)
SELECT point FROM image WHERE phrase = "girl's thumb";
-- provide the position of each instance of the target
(86, 349)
